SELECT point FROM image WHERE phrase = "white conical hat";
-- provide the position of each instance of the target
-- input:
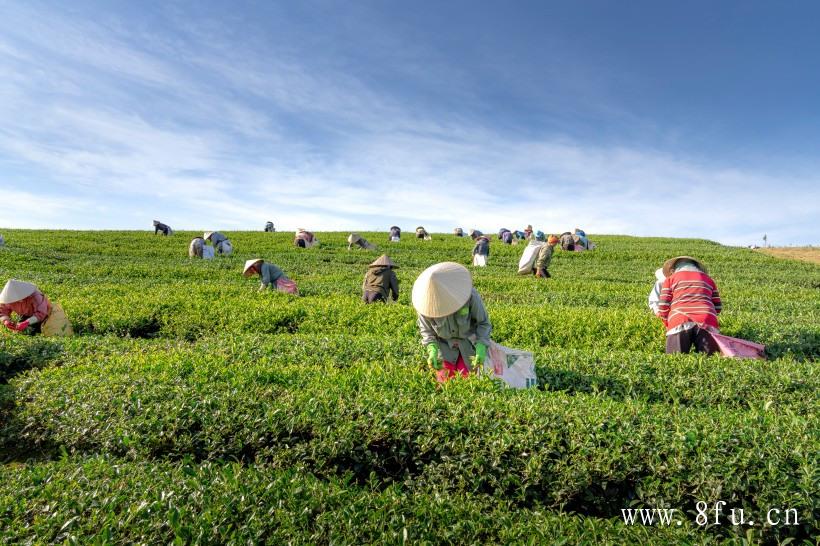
(442, 289)
(15, 291)
(207, 235)
(353, 238)
(249, 264)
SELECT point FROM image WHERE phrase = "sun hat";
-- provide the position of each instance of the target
(659, 274)
(442, 289)
(383, 260)
(552, 240)
(15, 291)
(539, 235)
(353, 238)
(207, 235)
(249, 264)
(669, 265)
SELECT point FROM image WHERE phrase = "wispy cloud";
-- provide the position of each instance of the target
(207, 132)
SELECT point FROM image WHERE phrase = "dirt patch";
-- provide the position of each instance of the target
(804, 253)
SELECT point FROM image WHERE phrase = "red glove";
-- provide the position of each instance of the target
(9, 324)
(22, 326)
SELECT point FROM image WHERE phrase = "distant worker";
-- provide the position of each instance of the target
(198, 249)
(542, 261)
(421, 233)
(159, 227)
(458, 232)
(269, 228)
(395, 234)
(689, 305)
(380, 281)
(454, 325)
(222, 245)
(475, 234)
(654, 299)
(566, 240)
(518, 236)
(271, 276)
(358, 240)
(580, 238)
(35, 312)
(506, 236)
(305, 239)
(481, 251)
(528, 232)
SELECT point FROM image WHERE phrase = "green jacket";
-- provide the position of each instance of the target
(382, 280)
(544, 257)
(459, 332)
(270, 274)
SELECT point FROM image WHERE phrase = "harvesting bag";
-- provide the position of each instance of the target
(527, 261)
(479, 260)
(513, 366)
(738, 348)
(57, 323)
(287, 286)
(227, 248)
(207, 252)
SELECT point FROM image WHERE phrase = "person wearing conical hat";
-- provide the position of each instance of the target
(35, 311)
(380, 281)
(458, 232)
(222, 245)
(688, 306)
(454, 325)
(395, 234)
(481, 251)
(421, 233)
(475, 234)
(270, 275)
(361, 242)
(195, 247)
(269, 227)
(159, 227)
(542, 261)
(304, 238)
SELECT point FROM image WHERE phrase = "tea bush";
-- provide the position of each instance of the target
(190, 408)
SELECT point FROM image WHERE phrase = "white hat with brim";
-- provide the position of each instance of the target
(353, 238)
(15, 291)
(383, 261)
(442, 289)
(659, 274)
(249, 264)
(207, 235)
(669, 265)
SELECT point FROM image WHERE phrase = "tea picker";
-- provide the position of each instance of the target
(165, 229)
(222, 245)
(37, 314)
(481, 251)
(380, 281)
(304, 239)
(269, 227)
(689, 304)
(395, 234)
(505, 236)
(270, 275)
(198, 249)
(421, 233)
(358, 240)
(453, 322)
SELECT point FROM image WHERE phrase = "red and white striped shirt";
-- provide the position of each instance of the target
(689, 296)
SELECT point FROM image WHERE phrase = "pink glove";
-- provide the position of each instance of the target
(22, 326)
(9, 324)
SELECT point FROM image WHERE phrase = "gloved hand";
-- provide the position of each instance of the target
(433, 356)
(9, 324)
(22, 326)
(480, 353)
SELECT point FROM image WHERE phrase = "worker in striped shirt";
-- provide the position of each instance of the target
(689, 304)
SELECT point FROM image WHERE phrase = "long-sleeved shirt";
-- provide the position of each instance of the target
(269, 274)
(217, 238)
(34, 308)
(195, 248)
(689, 296)
(544, 257)
(453, 333)
(395, 232)
(654, 298)
(482, 246)
(381, 280)
(160, 227)
(506, 236)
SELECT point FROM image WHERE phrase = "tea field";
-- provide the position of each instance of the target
(191, 409)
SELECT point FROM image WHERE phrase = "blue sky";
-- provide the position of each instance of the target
(695, 119)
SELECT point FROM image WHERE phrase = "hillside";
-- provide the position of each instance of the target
(189, 407)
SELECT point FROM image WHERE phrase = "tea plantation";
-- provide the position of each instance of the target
(191, 409)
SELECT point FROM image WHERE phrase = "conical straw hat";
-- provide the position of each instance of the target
(442, 289)
(249, 264)
(383, 260)
(669, 265)
(207, 235)
(16, 290)
(353, 238)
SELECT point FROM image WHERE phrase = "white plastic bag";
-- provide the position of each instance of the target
(479, 260)
(513, 366)
(527, 261)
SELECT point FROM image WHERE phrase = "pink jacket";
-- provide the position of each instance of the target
(36, 305)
